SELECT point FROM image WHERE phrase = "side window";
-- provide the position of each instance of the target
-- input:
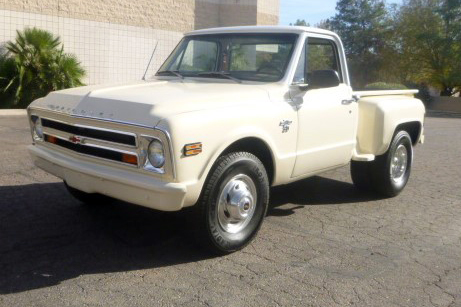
(198, 56)
(321, 55)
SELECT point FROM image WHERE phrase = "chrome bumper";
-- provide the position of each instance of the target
(126, 185)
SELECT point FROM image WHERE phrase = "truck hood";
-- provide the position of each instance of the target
(147, 102)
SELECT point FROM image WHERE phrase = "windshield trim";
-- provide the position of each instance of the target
(217, 38)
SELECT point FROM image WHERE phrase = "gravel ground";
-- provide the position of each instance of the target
(323, 243)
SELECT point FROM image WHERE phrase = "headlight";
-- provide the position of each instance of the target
(37, 128)
(155, 154)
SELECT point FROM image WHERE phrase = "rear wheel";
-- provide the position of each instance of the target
(388, 174)
(233, 203)
(88, 198)
(391, 171)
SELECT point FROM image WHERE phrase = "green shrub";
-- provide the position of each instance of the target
(7, 72)
(423, 93)
(40, 66)
(385, 86)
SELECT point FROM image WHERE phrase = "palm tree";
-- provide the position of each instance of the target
(8, 72)
(41, 66)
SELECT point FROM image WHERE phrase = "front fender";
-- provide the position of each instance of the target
(217, 130)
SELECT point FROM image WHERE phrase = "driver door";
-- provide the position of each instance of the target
(327, 116)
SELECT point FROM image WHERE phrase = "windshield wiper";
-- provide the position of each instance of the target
(171, 72)
(219, 73)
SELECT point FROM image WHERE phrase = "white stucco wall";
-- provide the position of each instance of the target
(114, 39)
(109, 52)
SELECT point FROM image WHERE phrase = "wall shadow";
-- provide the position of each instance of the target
(206, 14)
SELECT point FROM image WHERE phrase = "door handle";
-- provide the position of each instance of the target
(355, 98)
(347, 101)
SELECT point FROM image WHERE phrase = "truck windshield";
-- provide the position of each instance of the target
(253, 57)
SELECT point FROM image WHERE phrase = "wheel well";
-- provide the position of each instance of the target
(413, 129)
(257, 147)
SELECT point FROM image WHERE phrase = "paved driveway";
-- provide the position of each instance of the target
(322, 244)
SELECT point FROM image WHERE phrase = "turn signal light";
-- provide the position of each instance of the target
(51, 139)
(130, 159)
(192, 149)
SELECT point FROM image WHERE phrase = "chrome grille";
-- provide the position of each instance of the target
(96, 151)
(91, 132)
(109, 140)
(108, 144)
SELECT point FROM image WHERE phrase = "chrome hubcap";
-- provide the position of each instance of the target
(237, 203)
(399, 163)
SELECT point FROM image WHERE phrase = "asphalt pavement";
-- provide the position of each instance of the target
(323, 243)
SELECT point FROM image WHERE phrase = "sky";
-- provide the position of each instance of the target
(312, 11)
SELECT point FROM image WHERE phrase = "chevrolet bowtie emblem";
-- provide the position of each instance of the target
(75, 139)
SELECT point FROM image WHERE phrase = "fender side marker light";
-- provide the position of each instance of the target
(192, 149)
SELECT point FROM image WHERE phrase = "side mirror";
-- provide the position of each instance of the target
(303, 86)
(324, 79)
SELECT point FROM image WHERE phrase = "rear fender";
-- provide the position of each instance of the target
(381, 116)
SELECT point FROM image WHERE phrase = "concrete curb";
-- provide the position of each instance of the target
(13, 112)
(444, 114)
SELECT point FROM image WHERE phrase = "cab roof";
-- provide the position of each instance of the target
(262, 29)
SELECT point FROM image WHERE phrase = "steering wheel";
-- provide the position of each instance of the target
(268, 65)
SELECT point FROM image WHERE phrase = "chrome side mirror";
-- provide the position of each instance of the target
(303, 86)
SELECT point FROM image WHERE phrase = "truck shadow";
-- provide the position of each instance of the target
(314, 191)
(47, 237)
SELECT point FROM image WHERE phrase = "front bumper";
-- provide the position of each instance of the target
(129, 186)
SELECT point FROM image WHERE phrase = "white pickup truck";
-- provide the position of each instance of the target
(231, 112)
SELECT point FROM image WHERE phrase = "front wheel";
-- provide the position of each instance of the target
(233, 203)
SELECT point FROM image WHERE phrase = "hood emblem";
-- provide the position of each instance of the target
(76, 140)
